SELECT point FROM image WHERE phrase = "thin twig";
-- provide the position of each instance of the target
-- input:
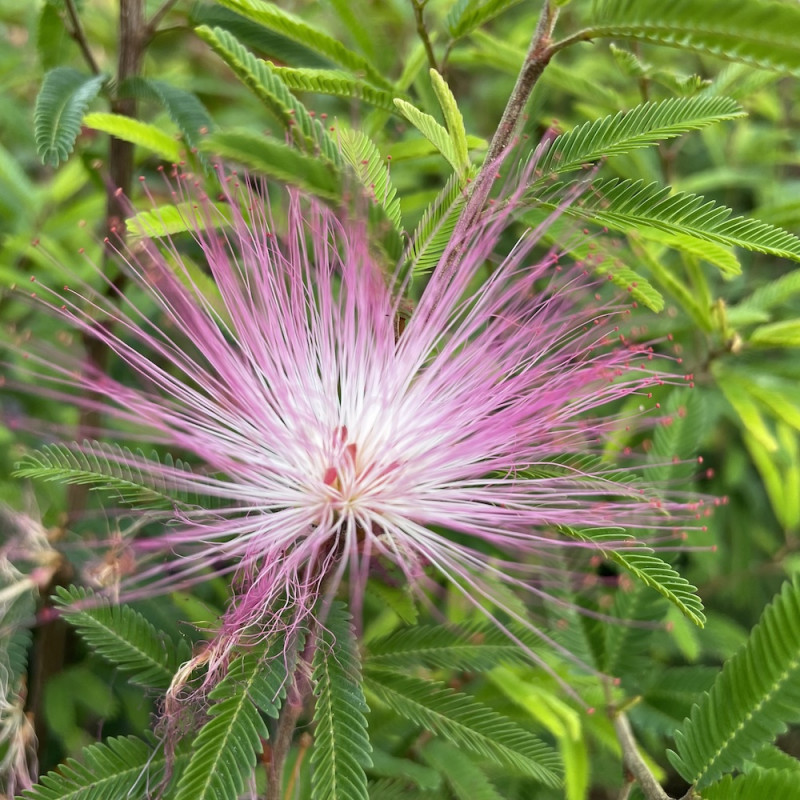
(281, 743)
(79, 35)
(154, 21)
(633, 762)
(419, 8)
(537, 58)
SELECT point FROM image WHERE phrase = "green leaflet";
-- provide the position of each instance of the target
(465, 722)
(756, 785)
(123, 636)
(139, 133)
(224, 752)
(60, 106)
(466, 15)
(274, 18)
(642, 126)
(341, 748)
(467, 781)
(106, 467)
(337, 83)
(278, 160)
(757, 692)
(435, 133)
(754, 32)
(435, 229)
(183, 107)
(453, 120)
(265, 82)
(628, 205)
(474, 648)
(122, 767)
(642, 562)
(364, 157)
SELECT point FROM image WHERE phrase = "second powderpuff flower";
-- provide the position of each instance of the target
(459, 448)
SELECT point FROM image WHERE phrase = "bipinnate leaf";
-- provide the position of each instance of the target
(60, 106)
(751, 31)
(435, 133)
(265, 82)
(277, 160)
(466, 779)
(130, 477)
(276, 19)
(630, 205)
(767, 784)
(125, 767)
(139, 133)
(642, 126)
(341, 746)
(435, 229)
(366, 161)
(453, 120)
(466, 723)
(466, 15)
(645, 565)
(475, 647)
(183, 108)
(756, 694)
(336, 83)
(224, 752)
(123, 637)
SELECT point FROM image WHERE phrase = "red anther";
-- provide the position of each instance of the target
(141, 178)
(33, 279)
(699, 459)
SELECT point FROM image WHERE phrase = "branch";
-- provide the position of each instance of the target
(154, 21)
(633, 762)
(419, 6)
(79, 35)
(537, 58)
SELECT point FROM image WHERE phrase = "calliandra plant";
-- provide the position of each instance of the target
(462, 448)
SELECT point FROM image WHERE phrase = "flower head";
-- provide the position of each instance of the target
(329, 439)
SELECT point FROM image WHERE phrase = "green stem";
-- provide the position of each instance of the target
(419, 8)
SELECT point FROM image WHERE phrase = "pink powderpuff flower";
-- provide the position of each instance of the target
(456, 448)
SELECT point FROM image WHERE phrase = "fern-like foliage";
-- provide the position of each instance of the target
(342, 748)
(337, 83)
(60, 106)
(749, 704)
(642, 126)
(435, 133)
(123, 767)
(629, 205)
(475, 648)
(757, 785)
(129, 476)
(467, 723)
(274, 18)
(435, 229)
(139, 133)
(123, 636)
(466, 15)
(224, 752)
(466, 779)
(263, 79)
(364, 157)
(643, 563)
(278, 160)
(753, 32)
(184, 108)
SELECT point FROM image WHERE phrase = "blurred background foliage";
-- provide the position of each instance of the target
(729, 296)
